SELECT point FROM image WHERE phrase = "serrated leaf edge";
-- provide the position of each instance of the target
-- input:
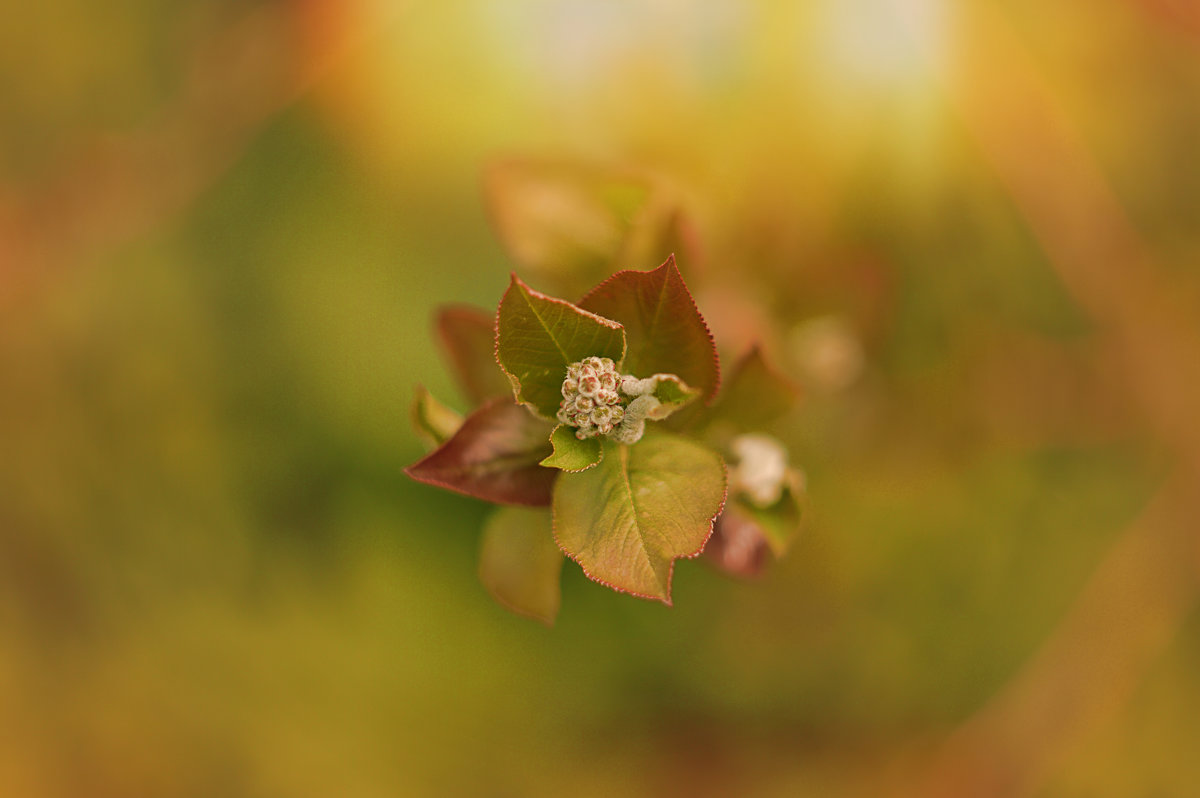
(671, 566)
(669, 263)
(515, 281)
(542, 462)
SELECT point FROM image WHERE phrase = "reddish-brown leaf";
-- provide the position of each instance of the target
(664, 330)
(738, 544)
(755, 394)
(468, 336)
(494, 456)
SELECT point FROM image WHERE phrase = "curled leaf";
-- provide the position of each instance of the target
(628, 519)
(433, 422)
(655, 398)
(672, 394)
(468, 336)
(493, 456)
(519, 562)
(571, 453)
(538, 336)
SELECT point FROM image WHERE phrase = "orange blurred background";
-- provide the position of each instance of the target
(971, 229)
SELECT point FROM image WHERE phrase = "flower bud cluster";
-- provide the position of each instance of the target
(590, 399)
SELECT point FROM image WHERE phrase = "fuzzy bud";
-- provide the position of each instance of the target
(590, 401)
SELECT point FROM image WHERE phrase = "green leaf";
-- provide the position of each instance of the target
(519, 562)
(665, 331)
(755, 394)
(627, 520)
(468, 336)
(570, 453)
(780, 522)
(538, 336)
(494, 456)
(433, 422)
(672, 394)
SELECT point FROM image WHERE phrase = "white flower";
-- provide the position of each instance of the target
(761, 469)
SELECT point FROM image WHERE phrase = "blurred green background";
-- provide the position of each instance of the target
(224, 228)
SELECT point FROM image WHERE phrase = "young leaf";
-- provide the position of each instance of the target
(519, 562)
(433, 422)
(468, 336)
(665, 331)
(570, 453)
(755, 394)
(628, 519)
(494, 456)
(655, 397)
(538, 336)
(672, 394)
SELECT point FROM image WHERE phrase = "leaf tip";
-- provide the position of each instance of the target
(515, 281)
(665, 598)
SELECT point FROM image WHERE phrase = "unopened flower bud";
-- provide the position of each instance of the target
(590, 401)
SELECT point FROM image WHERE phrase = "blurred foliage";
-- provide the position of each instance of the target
(225, 228)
